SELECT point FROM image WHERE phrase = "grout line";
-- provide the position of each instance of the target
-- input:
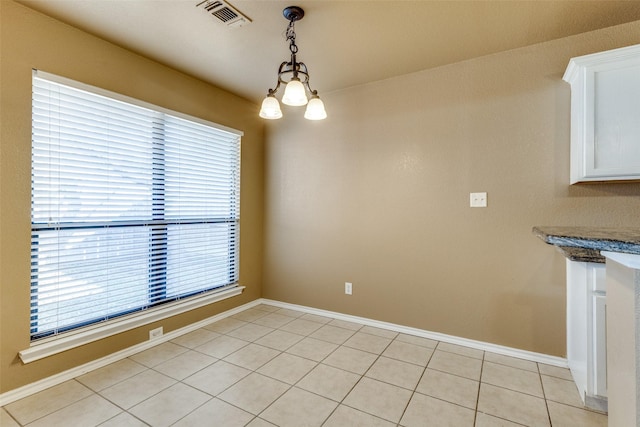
(544, 396)
(424, 371)
(11, 416)
(475, 415)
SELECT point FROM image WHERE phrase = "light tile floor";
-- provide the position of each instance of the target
(268, 366)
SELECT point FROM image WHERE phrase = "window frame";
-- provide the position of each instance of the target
(61, 341)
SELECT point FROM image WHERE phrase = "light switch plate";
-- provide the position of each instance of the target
(478, 200)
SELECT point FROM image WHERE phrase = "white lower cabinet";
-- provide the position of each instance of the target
(586, 331)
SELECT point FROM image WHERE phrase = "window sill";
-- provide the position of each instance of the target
(50, 346)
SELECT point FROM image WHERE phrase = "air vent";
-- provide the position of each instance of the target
(224, 12)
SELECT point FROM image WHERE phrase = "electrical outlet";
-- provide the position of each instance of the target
(348, 288)
(478, 200)
(155, 333)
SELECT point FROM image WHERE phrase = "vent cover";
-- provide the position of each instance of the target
(224, 12)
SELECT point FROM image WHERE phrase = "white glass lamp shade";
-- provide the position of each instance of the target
(294, 93)
(270, 108)
(315, 109)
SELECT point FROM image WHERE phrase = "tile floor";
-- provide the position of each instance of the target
(268, 366)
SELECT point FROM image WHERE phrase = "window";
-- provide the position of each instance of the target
(132, 207)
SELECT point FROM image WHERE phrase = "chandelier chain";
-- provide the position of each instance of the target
(291, 36)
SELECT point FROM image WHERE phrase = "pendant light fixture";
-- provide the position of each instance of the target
(295, 78)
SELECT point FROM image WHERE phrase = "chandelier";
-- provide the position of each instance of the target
(295, 78)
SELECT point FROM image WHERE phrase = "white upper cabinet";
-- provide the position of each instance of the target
(605, 115)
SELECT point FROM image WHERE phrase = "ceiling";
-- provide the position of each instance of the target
(343, 43)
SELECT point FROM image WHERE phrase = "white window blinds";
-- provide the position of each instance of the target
(132, 206)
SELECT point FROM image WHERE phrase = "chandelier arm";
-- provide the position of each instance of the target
(279, 81)
(297, 73)
(303, 70)
(314, 93)
(272, 92)
(281, 68)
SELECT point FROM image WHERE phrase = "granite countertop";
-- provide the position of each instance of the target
(585, 243)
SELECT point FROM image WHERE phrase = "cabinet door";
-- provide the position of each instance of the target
(605, 115)
(599, 349)
(614, 149)
(578, 324)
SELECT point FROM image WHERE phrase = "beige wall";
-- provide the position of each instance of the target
(378, 195)
(31, 40)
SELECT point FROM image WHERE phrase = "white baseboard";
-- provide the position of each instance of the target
(480, 345)
(29, 389)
